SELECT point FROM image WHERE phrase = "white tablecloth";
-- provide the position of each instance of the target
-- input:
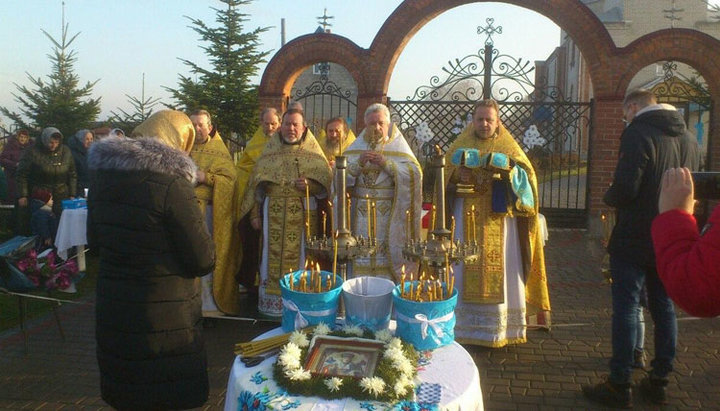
(450, 372)
(72, 232)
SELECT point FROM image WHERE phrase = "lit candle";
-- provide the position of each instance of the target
(369, 221)
(467, 227)
(472, 218)
(408, 229)
(432, 218)
(374, 219)
(349, 203)
(335, 246)
(332, 218)
(324, 221)
(319, 279)
(452, 230)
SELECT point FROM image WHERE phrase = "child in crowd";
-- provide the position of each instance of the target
(43, 221)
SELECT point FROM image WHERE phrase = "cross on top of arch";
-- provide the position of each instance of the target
(489, 30)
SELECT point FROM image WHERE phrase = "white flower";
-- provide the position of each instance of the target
(394, 353)
(395, 343)
(298, 374)
(333, 383)
(299, 338)
(403, 365)
(384, 335)
(289, 356)
(321, 329)
(373, 385)
(401, 386)
(353, 330)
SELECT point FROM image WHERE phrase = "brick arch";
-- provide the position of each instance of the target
(302, 52)
(694, 48)
(410, 16)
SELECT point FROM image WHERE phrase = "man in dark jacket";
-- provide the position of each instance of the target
(144, 220)
(655, 140)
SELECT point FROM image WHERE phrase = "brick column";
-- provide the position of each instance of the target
(604, 145)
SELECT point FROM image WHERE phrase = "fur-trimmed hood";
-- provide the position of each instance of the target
(140, 154)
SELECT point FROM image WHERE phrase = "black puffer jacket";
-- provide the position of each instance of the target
(654, 141)
(144, 220)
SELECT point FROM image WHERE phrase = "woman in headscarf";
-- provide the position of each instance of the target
(153, 243)
(79, 144)
(9, 158)
(48, 165)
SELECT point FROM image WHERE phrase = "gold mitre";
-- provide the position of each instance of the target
(171, 127)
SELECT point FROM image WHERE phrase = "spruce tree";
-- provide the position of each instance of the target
(224, 89)
(57, 101)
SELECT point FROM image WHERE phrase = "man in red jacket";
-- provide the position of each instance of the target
(687, 260)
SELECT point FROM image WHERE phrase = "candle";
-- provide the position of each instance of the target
(324, 221)
(408, 230)
(452, 230)
(472, 218)
(291, 280)
(467, 227)
(349, 203)
(335, 247)
(332, 218)
(402, 281)
(307, 210)
(369, 221)
(432, 218)
(374, 219)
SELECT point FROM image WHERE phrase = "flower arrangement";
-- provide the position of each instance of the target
(393, 379)
(46, 270)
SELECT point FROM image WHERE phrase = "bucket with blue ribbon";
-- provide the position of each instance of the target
(426, 324)
(305, 306)
(368, 302)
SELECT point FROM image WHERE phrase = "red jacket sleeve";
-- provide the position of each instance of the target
(688, 263)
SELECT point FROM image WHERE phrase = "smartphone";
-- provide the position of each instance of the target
(707, 185)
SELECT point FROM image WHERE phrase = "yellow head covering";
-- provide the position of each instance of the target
(171, 127)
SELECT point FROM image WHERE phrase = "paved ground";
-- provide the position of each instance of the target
(545, 373)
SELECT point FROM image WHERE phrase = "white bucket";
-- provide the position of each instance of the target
(368, 302)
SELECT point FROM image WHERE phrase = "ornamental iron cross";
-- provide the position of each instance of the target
(489, 30)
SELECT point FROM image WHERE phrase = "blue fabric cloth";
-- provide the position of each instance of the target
(522, 189)
(628, 279)
(468, 157)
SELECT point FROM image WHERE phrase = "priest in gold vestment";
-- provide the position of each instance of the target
(489, 173)
(335, 138)
(215, 191)
(250, 264)
(290, 173)
(384, 180)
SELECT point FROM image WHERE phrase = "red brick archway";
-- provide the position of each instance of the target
(611, 68)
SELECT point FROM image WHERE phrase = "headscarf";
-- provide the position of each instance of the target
(77, 142)
(171, 127)
(47, 134)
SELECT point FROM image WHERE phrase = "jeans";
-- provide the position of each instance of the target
(627, 284)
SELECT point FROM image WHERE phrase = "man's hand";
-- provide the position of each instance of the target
(465, 175)
(676, 191)
(300, 184)
(22, 201)
(256, 223)
(200, 176)
(372, 157)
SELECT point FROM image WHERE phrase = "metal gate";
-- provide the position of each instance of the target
(553, 131)
(324, 98)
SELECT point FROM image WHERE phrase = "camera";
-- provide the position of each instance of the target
(707, 185)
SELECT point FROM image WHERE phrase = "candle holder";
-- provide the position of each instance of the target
(343, 247)
(439, 249)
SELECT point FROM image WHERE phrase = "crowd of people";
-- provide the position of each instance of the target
(182, 231)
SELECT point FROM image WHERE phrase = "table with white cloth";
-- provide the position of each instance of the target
(72, 232)
(447, 377)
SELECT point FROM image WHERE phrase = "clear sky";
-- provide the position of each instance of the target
(122, 39)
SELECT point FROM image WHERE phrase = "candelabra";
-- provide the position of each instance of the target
(440, 249)
(343, 247)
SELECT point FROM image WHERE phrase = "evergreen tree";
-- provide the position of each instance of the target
(225, 89)
(58, 101)
(142, 109)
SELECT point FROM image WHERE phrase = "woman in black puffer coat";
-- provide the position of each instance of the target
(144, 220)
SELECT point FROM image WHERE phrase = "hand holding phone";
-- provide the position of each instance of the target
(676, 191)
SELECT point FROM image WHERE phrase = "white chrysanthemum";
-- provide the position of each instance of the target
(395, 343)
(394, 353)
(404, 366)
(321, 329)
(333, 383)
(289, 356)
(384, 335)
(299, 338)
(373, 385)
(353, 330)
(402, 385)
(298, 374)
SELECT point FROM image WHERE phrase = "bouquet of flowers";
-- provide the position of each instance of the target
(47, 270)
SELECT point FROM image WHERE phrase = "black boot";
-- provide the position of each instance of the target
(653, 389)
(609, 394)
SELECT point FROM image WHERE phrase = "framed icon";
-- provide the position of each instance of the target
(343, 357)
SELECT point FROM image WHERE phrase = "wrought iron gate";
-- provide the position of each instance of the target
(324, 98)
(553, 131)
